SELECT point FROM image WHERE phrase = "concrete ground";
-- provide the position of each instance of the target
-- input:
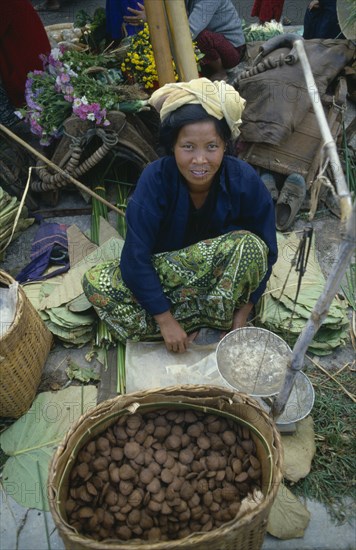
(25, 529)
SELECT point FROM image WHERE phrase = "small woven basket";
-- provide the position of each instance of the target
(23, 351)
(244, 533)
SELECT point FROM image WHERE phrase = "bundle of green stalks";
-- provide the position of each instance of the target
(9, 206)
(104, 338)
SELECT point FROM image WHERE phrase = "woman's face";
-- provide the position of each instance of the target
(199, 151)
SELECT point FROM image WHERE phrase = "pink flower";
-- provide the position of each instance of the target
(64, 78)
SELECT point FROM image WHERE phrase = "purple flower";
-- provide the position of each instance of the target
(45, 140)
(95, 108)
(32, 103)
(64, 78)
(36, 128)
(68, 90)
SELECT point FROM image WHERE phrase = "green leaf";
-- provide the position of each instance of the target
(31, 441)
(288, 518)
(278, 313)
(83, 374)
(68, 319)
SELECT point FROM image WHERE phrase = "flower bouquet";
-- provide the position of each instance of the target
(78, 83)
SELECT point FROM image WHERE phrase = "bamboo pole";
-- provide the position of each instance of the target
(183, 51)
(319, 313)
(156, 19)
(60, 170)
(329, 143)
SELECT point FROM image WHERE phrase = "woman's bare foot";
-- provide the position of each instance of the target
(192, 336)
(241, 316)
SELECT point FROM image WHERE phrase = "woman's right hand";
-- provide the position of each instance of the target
(175, 338)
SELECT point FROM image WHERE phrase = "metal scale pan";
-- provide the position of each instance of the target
(254, 361)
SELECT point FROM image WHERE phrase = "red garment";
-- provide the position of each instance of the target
(215, 46)
(266, 10)
(22, 39)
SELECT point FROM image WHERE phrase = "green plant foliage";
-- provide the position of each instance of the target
(95, 34)
(255, 32)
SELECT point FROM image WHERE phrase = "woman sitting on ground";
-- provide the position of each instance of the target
(201, 237)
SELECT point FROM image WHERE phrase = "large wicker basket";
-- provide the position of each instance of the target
(244, 533)
(23, 351)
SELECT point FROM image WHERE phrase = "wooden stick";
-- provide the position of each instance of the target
(328, 140)
(156, 19)
(319, 313)
(349, 364)
(60, 170)
(183, 50)
(350, 395)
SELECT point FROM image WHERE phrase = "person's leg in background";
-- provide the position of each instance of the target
(219, 54)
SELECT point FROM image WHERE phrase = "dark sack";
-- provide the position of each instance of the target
(277, 99)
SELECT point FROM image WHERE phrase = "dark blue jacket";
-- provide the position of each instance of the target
(157, 215)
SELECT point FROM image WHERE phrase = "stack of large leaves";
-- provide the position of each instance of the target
(9, 207)
(72, 328)
(60, 300)
(279, 312)
(72, 322)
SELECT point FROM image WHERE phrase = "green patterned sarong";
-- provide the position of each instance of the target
(205, 282)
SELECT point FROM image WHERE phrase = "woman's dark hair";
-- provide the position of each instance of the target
(188, 114)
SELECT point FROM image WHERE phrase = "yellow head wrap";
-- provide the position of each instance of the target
(219, 99)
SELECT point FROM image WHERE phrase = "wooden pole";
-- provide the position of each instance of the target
(156, 19)
(329, 143)
(60, 170)
(319, 313)
(183, 51)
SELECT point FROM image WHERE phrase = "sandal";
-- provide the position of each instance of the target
(270, 183)
(290, 200)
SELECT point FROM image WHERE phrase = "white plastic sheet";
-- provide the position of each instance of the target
(150, 365)
(8, 303)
